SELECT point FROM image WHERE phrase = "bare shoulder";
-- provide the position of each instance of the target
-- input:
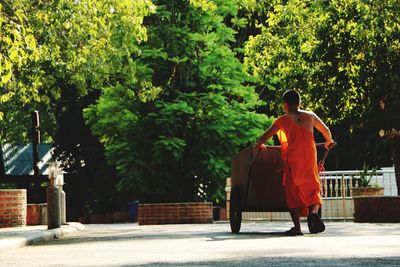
(281, 117)
(308, 113)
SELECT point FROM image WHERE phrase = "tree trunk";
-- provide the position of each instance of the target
(396, 162)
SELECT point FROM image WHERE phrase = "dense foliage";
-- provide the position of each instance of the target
(81, 47)
(342, 55)
(178, 146)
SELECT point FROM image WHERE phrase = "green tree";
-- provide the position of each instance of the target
(342, 55)
(47, 48)
(57, 56)
(20, 77)
(178, 146)
(18, 53)
(91, 45)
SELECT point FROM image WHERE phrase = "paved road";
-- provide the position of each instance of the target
(259, 244)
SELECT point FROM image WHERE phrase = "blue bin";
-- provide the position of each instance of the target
(133, 210)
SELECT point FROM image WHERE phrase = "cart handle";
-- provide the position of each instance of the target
(317, 145)
(321, 163)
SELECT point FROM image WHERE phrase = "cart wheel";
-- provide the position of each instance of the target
(235, 213)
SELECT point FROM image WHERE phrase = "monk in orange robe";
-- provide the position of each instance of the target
(301, 178)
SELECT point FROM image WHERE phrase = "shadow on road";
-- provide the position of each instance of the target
(215, 233)
(288, 261)
(115, 236)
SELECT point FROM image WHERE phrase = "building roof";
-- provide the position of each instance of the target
(18, 159)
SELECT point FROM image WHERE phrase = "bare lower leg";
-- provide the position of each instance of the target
(314, 208)
(295, 214)
(315, 224)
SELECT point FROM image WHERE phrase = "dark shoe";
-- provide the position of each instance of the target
(315, 224)
(293, 232)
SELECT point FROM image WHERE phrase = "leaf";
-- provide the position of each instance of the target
(239, 22)
(6, 77)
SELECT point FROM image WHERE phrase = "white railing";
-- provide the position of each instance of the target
(337, 200)
(334, 181)
(337, 194)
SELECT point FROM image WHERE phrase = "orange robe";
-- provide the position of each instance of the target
(300, 178)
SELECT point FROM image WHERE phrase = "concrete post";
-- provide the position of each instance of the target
(60, 183)
(53, 208)
(62, 207)
(53, 199)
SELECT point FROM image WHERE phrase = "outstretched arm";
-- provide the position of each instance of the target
(267, 135)
(320, 125)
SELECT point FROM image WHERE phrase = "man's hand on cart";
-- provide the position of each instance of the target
(261, 147)
(329, 144)
(257, 148)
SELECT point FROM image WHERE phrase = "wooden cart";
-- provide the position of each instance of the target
(256, 184)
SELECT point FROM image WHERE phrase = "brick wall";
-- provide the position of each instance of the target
(36, 214)
(12, 207)
(112, 217)
(228, 196)
(222, 214)
(169, 213)
(377, 209)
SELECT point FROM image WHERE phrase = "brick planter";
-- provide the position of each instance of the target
(228, 196)
(120, 216)
(222, 214)
(84, 219)
(368, 191)
(99, 218)
(377, 209)
(12, 207)
(36, 214)
(111, 217)
(169, 213)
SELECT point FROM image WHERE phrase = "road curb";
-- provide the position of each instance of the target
(41, 236)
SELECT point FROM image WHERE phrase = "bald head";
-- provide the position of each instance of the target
(291, 98)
